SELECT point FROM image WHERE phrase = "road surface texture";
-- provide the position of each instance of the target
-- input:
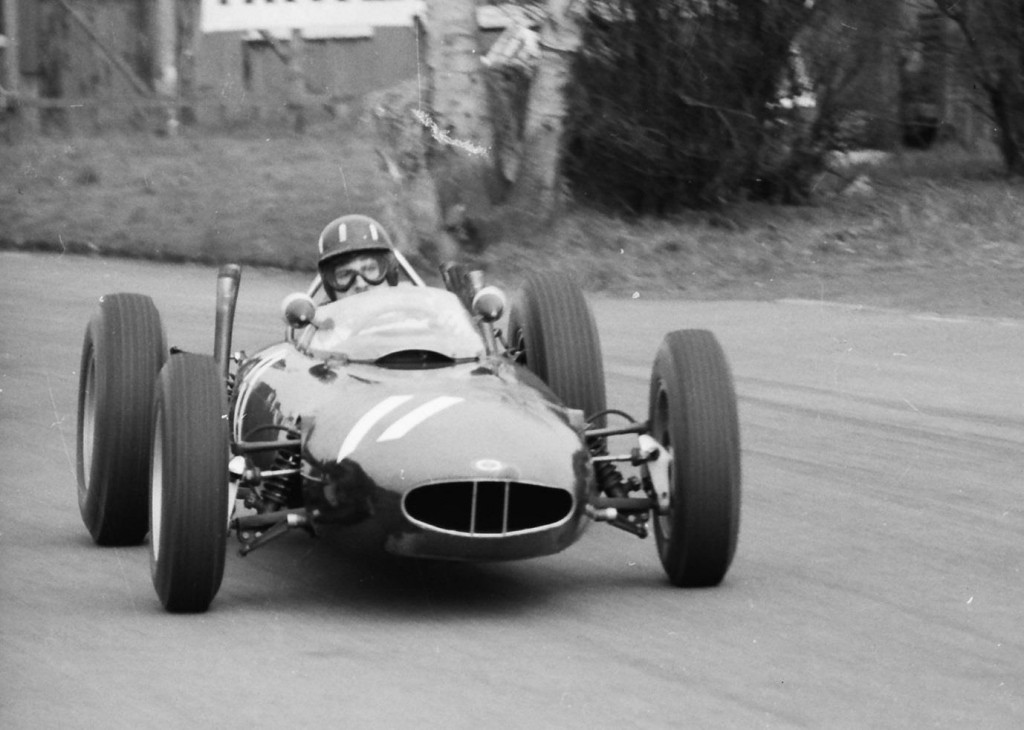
(878, 580)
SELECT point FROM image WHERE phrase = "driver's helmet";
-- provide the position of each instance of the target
(356, 253)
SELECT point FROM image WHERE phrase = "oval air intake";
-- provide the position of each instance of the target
(487, 508)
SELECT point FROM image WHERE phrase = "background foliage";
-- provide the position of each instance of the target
(675, 103)
(993, 38)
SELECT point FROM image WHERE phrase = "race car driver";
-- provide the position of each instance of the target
(356, 254)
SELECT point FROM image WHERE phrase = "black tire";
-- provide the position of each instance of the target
(693, 415)
(551, 331)
(189, 494)
(122, 354)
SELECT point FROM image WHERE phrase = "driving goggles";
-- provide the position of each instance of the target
(370, 268)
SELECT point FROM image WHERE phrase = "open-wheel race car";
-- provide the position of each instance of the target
(464, 432)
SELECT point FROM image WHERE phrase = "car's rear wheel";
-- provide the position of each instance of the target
(123, 351)
(551, 331)
(693, 415)
(189, 494)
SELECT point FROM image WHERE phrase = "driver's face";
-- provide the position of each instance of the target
(358, 270)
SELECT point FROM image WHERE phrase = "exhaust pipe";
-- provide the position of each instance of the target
(228, 279)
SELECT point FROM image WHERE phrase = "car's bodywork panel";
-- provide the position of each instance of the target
(460, 456)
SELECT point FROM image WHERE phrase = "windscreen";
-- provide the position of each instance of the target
(385, 320)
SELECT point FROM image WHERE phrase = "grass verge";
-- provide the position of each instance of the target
(938, 231)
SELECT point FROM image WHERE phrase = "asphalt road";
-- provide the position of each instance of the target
(878, 580)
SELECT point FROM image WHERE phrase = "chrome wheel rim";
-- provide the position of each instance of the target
(156, 489)
(519, 348)
(661, 431)
(89, 422)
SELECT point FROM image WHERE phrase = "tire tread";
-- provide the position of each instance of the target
(564, 348)
(126, 340)
(701, 394)
(193, 411)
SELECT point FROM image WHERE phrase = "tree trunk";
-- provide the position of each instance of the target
(993, 31)
(165, 37)
(11, 54)
(297, 81)
(537, 191)
(456, 121)
(1008, 109)
(188, 46)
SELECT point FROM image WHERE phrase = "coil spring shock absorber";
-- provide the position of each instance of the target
(279, 489)
(609, 479)
(611, 482)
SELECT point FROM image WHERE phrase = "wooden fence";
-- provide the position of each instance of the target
(92, 68)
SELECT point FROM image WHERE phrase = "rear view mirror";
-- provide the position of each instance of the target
(298, 309)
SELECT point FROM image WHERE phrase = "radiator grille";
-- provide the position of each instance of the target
(487, 508)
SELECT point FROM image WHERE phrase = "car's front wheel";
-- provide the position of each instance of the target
(693, 415)
(189, 493)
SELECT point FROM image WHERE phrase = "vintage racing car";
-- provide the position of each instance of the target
(466, 433)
